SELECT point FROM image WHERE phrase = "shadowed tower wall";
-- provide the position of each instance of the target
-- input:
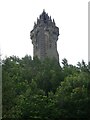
(44, 37)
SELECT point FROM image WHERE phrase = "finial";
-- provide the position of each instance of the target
(35, 25)
(37, 20)
(50, 18)
(43, 10)
(54, 21)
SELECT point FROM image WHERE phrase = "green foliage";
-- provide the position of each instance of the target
(72, 96)
(44, 90)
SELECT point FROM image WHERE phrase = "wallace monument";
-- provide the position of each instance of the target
(44, 37)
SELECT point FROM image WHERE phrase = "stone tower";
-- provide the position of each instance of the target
(44, 37)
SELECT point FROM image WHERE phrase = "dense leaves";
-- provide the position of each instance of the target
(34, 89)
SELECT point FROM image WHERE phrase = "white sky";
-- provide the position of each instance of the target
(17, 18)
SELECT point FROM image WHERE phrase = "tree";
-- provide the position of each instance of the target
(37, 89)
(72, 97)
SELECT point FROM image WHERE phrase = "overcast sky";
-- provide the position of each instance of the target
(17, 18)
